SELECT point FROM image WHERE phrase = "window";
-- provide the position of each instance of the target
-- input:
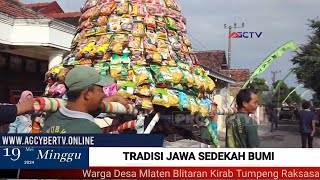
(31, 66)
(15, 63)
(2, 61)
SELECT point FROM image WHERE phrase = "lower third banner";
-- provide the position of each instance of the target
(177, 173)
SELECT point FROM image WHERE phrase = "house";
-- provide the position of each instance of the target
(30, 43)
(53, 10)
(216, 60)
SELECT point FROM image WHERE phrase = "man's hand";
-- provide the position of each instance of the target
(119, 99)
(25, 106)
(313, 133)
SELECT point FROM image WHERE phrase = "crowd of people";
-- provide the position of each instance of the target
(85, 95)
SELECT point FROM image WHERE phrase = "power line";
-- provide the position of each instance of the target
(199, 42)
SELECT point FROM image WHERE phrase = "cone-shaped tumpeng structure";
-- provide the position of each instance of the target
(144, 46)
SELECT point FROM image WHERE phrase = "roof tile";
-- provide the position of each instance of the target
(215, 59)
(16, 9)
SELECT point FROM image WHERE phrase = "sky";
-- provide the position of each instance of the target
(279, 22)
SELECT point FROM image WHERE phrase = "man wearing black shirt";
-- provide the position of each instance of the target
(8, 113)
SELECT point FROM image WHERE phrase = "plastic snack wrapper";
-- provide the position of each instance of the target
(135, 43)
(199, 83)
(150, 21)
(119, 71)
(160, 97)
(144, 102)
(138, 30)
(57, 89)
(126, 25)
(183, 101)
(154, 10)
(151, 37)
(122, 8)
(138, 9)
(154, 56)
(161, 74)
(173, 5)
(114, 24)
(162, 33)
(142, 75)
(171, 23)
(173, 98)
(188, 78)
(102, 68)
(149, 46)
(143, 90)
(176, 74)
(127, 90)
(107, 8)
(110, 90)
(194, 107)
(118, 59)
(210, 85)
(204, 110)
(138, 58)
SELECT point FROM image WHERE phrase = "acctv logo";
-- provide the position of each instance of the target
(245, 35)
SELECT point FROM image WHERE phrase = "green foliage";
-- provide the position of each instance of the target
(259, 84)
(284, 92)
(307, 60)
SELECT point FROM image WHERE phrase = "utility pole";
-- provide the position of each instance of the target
(229, 42)
(274, 80)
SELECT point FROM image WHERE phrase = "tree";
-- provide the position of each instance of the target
(307, 61)
(294, 97)
(284, 92)
(259, 84)
(315, 100)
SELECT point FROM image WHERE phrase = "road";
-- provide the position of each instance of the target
(287, 136)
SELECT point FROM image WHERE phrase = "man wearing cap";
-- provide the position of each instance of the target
(85, 94)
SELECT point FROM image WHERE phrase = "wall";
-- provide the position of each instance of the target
(36, 32)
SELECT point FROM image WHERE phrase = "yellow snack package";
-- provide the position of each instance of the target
(161, 74)
(138, 30)
(145, 103)
(199, 84)
(194, 107)
(122, 8)
(152, 37)
(135, 43)
(114, 23)
(199, 71)
(188, 78)
(211, 85)
(142, 75)
(184, 66)
(176, 74)
(143, 90)
(127, 89)
(160, 97)
(173, 98)
(138, 9)
(154, 56)
(164, 52)
(204, 83)
(203, 109)
(119, 71)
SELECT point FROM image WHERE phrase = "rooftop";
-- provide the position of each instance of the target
(16, 9)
